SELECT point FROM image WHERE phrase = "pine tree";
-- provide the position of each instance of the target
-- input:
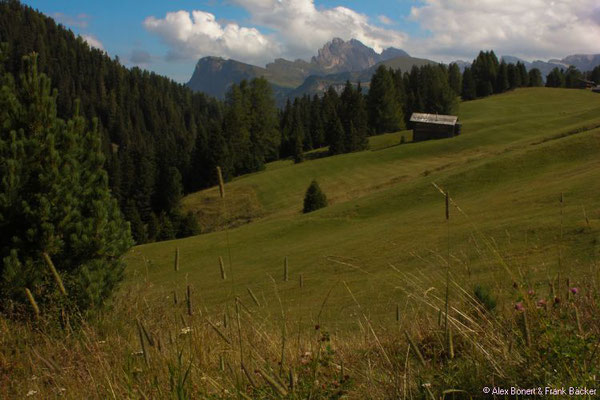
(455, 78)
(336, 135)
(556, 78)
(535, 78)
(523, 74)
(385, 114)
(469, 90)
(502, 84)
(573, 78)
(54, 199)
(314, 198)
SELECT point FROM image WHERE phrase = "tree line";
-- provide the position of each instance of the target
(343, 120)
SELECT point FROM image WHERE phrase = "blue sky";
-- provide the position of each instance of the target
(169, 36)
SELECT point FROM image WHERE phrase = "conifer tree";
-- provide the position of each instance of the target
(535, 78)
(385, 114)
(556, 78)
(469, 89)
(54, 199)
(314, 198)
(455, 78)
(502, 84)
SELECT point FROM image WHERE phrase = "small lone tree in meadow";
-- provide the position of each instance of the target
(314, 198)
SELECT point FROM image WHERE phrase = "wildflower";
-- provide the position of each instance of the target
(31, 393)
(541, 303)
(556, 300)
(185, 331)
(531, 292)
(574, 290)
(519, 306)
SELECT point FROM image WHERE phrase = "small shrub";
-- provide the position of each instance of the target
(314, 198)
(483, 295)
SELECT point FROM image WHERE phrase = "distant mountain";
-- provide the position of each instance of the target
(583, 62)
(214, 75)
(317, 84)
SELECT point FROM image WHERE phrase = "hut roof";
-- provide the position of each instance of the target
(434, 119)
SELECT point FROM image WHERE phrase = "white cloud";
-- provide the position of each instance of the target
(196, 34)
(303, 28)
(300, 28)
(93, 41)
(455, 29)
(532, 29)
(385, 20)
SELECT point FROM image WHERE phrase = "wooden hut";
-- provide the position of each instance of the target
(434, 126)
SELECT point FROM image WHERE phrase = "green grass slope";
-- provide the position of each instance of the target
(518, 152)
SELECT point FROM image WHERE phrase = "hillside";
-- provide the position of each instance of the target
(506, 172)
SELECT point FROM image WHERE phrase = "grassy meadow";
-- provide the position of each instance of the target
(383, 296)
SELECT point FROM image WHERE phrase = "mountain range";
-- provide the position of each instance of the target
(335, 63)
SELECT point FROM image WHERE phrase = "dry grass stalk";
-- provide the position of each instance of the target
(57, 278)
(222, 268)
(272, 382)
(141, 336)
(189, 300)
(526, 327)
(176, 266)
(413, 345)
(249, 376)
(221, 183)
(34, 306)
(254, 298)
(301, 280)
(219, 332)
(285, 269)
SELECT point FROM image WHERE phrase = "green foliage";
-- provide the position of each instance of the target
(535, 78)
(573, 78)
(556, 78)
(455, 79)
(485, 297)
(54, 198)
(469, 88)
(314, 198)
(385, 113)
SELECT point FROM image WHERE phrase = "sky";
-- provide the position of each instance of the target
(169, 36)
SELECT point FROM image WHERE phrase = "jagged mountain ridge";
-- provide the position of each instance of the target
(214, 75)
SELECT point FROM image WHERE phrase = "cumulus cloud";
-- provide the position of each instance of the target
(93, 41)
(533, 29)
(303, 28)
(455, 29)
(196, 34)
(300, 28)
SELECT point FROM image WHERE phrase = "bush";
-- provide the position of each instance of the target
(314, 198)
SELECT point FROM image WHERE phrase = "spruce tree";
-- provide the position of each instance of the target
(385, 114)
(469, 89)
(535, 78)
(314, 198)
(502, 84)
(455, 78)
(556, 78)
(54, 199)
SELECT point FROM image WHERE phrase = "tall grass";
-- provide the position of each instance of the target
(148, 346)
